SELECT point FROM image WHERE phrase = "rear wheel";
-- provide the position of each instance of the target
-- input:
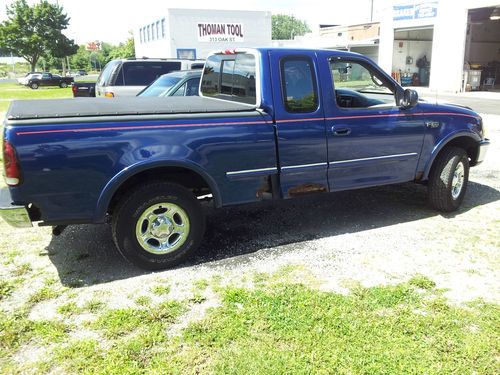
(34, 85)
(63, 85)
(158, 225)
(448, 179)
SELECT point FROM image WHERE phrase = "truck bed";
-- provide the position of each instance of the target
(125, 106)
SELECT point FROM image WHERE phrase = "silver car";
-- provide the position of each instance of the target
(127, 77)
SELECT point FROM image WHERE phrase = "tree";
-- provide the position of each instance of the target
(287, 27)
(124, 50)
(35, 31)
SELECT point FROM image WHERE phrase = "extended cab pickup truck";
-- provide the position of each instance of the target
(268, 124)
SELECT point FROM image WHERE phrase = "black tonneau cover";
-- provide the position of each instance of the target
(95, 107)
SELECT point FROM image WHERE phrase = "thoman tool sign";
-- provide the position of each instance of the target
(220, 32)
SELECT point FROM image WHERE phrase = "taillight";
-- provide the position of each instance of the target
(11, 165)
(74, 89)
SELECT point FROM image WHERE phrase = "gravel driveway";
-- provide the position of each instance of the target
(372, 236)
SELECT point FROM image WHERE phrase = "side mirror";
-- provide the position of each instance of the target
(410, 99)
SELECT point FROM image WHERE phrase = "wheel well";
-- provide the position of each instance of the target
(182, 176)
(467, 143)
(470, 146)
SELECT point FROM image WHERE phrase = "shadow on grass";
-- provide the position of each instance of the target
(86, 255)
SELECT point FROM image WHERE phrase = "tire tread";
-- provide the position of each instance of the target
(439, 194)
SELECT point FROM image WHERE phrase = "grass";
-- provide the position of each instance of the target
(6, 288)
(392, 329)
(10, 91)
(16, 329)
(160, 290)
(284, 328)
(118, 322)
(46, 292)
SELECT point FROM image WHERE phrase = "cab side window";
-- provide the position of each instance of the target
(358, 85)
(300, 93)
(192, 87)
(180, 91)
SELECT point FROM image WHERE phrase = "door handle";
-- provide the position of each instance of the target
(341, 131)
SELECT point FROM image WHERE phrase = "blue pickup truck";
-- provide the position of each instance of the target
(268, 124)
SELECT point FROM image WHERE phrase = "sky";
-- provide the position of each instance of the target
(111, 20)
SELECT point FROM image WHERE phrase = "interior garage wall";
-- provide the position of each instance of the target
(370, 52)
(483, 53)
(484, 43)
(415, 49)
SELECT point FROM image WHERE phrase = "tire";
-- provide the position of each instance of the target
(63, 85)
(34, 85)
(176, 210)
(445, 192)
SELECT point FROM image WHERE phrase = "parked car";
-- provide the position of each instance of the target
(112, 80)
(24, 80)
(81, 72)
(127, 77)
(181, 83)
(268, 124)
(83, 89)
(48, 79)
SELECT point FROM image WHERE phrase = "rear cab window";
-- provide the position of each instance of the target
(135, 73)
(231, 76)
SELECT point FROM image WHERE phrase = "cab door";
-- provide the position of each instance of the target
(371, 140)
(300, 123)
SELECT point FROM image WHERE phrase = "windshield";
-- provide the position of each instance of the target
(160, 86)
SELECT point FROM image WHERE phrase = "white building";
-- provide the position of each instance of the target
(193, 33)
(454, 36)
(460, 39)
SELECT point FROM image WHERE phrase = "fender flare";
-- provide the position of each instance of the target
(116, 181)
(443, 143)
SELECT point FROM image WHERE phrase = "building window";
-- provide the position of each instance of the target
(186, 53)
(153, 31)
(157, 29)
(163, 28)
(149, 33)
(140, 34)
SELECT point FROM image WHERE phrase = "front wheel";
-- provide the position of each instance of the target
(158, 225)
(63, 85)
(34, 85)
(448, 179)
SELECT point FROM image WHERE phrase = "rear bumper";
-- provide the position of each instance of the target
(483, 148)
(16, 216)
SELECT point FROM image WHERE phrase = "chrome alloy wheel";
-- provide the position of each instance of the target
(457, 183)
(162, 228)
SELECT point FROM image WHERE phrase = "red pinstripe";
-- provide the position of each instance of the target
(162, 126)
(138, 127)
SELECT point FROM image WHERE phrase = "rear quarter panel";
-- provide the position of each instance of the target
(71, 169)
